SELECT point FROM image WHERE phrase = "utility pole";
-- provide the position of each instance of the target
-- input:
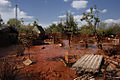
(0, 20)
(16, 13)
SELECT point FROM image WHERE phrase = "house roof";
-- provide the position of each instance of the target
(39, 30)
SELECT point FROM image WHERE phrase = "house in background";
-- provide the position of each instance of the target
(39, 31)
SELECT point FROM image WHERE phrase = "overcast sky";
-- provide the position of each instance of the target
(50, 11)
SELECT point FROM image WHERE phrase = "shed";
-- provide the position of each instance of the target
(39, 30)
(88, 63)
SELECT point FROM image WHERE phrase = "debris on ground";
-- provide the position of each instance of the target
(88, 63)
(60, 45)
(27, 62)
(91, 66)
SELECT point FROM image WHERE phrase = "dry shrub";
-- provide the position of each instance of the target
(8, 71)
(20, 50)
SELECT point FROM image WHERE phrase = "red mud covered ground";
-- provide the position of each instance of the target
(5, 50)
(47, 62)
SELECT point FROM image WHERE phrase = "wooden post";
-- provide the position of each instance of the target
(66, 57)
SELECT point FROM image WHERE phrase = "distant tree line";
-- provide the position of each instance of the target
(71, 25)
(20, 25)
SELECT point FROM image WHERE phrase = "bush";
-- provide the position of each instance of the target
(20, 50)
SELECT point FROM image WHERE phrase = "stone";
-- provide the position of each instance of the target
(27, 62)
(60, 45)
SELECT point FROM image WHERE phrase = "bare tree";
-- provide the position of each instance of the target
(92, 21)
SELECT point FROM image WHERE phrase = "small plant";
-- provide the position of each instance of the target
(27, 40)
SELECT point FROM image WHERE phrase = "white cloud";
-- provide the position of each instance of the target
(7, 12)
(45, 25)
(55, 22)
(109, 21)
(78, 18)
(63, 16)
(88, 10)
(69, 11)
(22, 14)
(65, 0)
(79, 4)
(101, 11)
